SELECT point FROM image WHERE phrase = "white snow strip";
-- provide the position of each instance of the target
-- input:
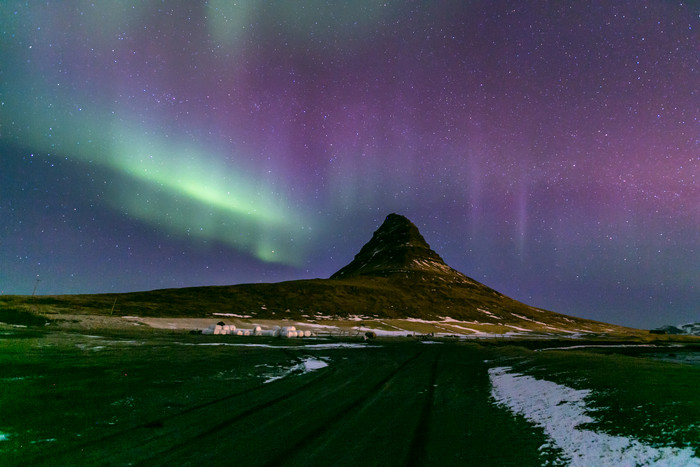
(392, 326)
(307, 365)
(517, 328)
(232, 315)
(559, 410)
(529, 319)
(475, 331)
(442, 321)
(446, 319)
(600, 346)
(449, 320)
(486, 312)
(316, 325)
(335, 345)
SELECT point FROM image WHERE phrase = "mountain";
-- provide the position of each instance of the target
(397, 247)
(398, 253)
(395, 276)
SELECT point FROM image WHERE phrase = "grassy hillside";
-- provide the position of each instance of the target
(416, 296)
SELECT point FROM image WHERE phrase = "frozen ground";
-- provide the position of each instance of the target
(561, 410)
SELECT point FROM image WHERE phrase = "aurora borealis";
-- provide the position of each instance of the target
(549, 150)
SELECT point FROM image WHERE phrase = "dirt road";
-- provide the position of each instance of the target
(398, 404)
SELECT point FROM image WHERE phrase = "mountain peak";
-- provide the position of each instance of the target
(396, 247)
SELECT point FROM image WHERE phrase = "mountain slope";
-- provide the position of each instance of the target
(396, 275)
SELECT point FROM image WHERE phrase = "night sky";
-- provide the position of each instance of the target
(550, 150)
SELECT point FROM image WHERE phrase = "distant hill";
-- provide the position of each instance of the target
(690, 329)
(396, 275)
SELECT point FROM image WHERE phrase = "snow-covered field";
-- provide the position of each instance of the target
(560, 410)
(231, 315)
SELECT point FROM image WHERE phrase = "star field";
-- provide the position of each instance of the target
(550, 151)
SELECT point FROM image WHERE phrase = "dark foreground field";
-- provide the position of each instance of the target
(174, 399)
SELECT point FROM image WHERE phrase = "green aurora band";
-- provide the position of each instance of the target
(174, 184)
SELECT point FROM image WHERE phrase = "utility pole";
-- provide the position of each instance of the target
(36, 284)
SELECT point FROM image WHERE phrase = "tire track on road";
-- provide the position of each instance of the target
(417, 451)
(221, 431)
(147, 432)
(339, 416)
